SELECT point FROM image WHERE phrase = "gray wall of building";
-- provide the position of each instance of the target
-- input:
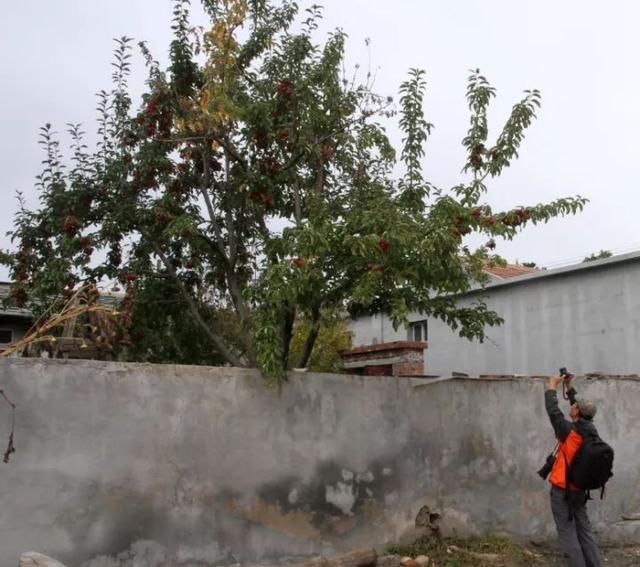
(375, 329)
(586, 318)
(173, 465)
(17, 325)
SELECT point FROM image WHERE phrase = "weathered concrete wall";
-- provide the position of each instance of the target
(161, 465)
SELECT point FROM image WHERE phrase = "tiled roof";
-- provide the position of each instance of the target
(509, 271)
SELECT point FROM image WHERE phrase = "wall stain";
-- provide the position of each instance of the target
(313, 509)
(296, 523)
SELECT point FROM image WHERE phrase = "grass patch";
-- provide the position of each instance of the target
(488, 551)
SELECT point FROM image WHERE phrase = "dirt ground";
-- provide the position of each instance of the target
(502, 552)
(613, 557)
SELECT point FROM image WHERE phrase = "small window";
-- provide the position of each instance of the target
(417, 331)
(6, 336)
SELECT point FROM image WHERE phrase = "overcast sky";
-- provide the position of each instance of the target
(582, 55)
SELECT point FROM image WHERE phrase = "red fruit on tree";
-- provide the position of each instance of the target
(460, 227)
(151, 109)
(298, 262)
(260, 139)
(523, 215)
(70, 225)
(327, 151)
(383, 245)
(261, 198)
(285, 88)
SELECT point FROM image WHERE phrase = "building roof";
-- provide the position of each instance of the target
(535, 274)
(509, 271)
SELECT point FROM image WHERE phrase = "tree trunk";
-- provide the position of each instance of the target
(311, 339)
(287, 333)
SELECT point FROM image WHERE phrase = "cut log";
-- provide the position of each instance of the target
(35, 559)
(356, 558)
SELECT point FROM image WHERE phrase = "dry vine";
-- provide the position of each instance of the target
(82, 302)
(10, 447)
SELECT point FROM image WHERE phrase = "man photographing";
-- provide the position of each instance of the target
(568, 501)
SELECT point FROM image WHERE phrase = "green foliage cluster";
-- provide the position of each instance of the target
(599, 256)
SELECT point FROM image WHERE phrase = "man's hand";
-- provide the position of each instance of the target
(554, 382)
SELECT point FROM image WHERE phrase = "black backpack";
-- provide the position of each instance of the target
(592, 465)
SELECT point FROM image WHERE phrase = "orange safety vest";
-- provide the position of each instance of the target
(566, 452)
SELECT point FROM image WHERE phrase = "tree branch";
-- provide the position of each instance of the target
(297, 204)
(228, 146)
(320, 176)
(204, 191)
(233, 241)
(220, 344)
(296, 158)
(287, 332)
(311, 338)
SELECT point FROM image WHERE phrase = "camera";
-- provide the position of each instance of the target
(548, 465)
(566, 380)
(565, 374)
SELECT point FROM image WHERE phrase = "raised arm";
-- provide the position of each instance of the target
(561, 425)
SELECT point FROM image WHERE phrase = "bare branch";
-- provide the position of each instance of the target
(204, 191)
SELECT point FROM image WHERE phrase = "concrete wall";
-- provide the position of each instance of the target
(160, 465)
(585, 318)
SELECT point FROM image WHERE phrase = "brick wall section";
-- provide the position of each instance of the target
(382, 370)
(406, 358)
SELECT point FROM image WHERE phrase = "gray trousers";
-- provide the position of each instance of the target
(576, 537)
